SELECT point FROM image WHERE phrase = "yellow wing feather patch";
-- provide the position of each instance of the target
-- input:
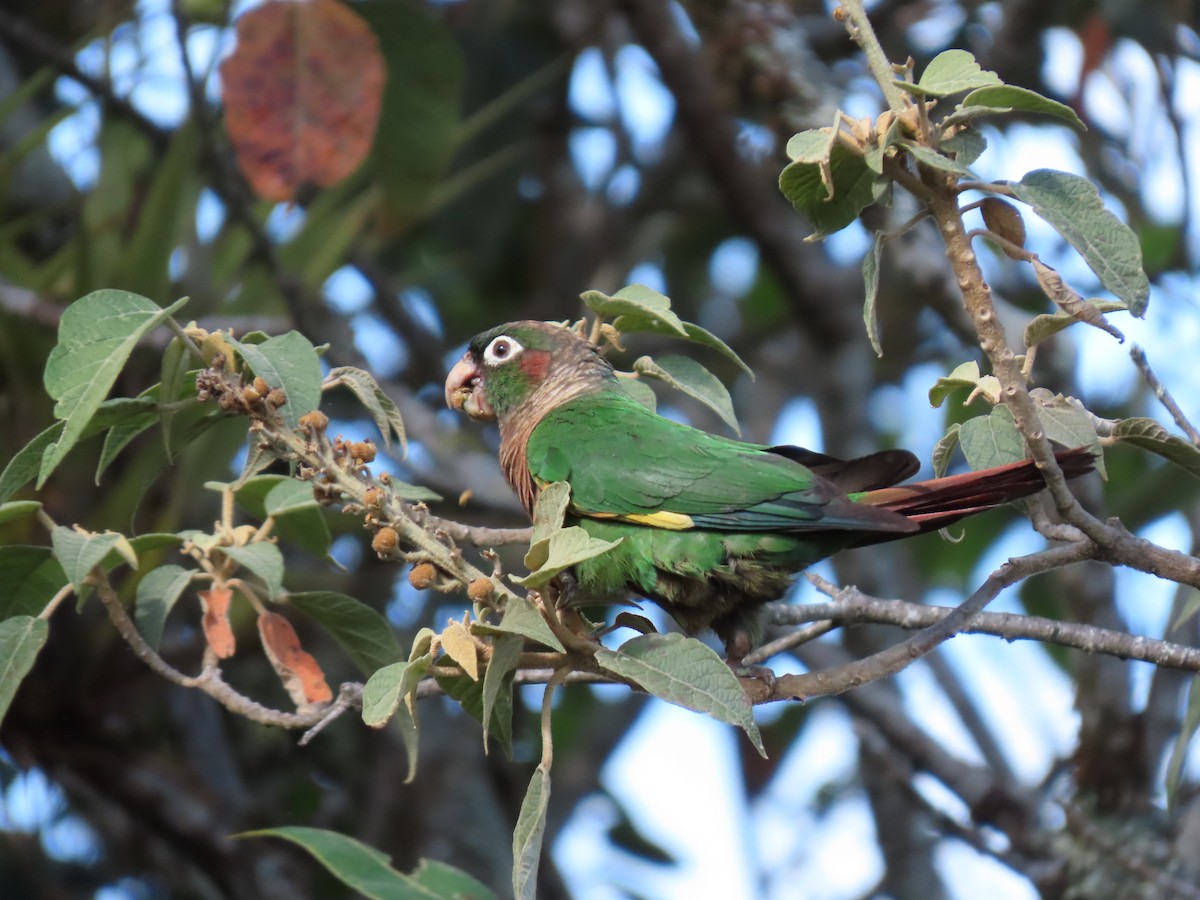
(669, 521)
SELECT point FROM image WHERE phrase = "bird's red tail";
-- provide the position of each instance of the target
(942, 501)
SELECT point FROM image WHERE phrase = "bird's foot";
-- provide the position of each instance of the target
(759, 673)
(566, 587)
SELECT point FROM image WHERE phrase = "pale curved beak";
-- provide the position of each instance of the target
(464, 390)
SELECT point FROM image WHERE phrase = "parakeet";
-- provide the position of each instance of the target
(712, 527)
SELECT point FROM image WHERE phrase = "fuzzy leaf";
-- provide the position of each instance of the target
(1070, 426)
(638, 390)
(522, 618)
(810, 146)
(498, 678)
(1110, 248)
(362, 632)
(460, 647)
(685, 672)
(80, 553)
(95, 337)
(298, 516)
(640, 305)
(382, 408)
(870, 270)
(21, 638)
(831, 197)
(964, 376)
(1042, 327)
(263, 559)
(1009, 97)
(469, 695)
(157, 594)
(287, 361)
(528, 835)
(565, 548)
(943, 450)
(1149, 435)
(951, 72)
(967, 146)
(385, 690)
(548, 512)
(693, 379)
(935, 160)
(1068, 301)
(991, 440)
(694, 333)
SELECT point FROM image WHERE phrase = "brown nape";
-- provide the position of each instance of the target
(943, 501)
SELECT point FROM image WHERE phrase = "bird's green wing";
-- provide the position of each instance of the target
(625, 462)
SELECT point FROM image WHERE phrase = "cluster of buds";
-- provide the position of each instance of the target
(255, 399)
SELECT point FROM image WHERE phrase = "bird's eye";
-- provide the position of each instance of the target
(501, 350)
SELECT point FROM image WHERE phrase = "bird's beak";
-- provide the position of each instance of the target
(464, 390)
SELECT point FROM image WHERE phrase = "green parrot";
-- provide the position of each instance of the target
(712, 528)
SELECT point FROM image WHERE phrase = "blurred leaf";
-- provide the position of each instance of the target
(302, 93)
(1149, 435)
(363, 633)
(1008, 97)
(383, 410)
(685, 672)
(418, 127)
(943, 450)
(298, 517)
(528, 835)
(287, 361)
(652, 325)
(1191, 606)
(29, 578)
(639, 307)
(174, 387)
(469, 695)
(18, 509)
(951, 72)
(368, 872)
(498, 679)
(870, 270)
(214, 621)
(80, 553)
(935, 160)
(157, 594)
(967, 146)
(95, 337)
(638, 390)
(21, 638)
(1045, 326)
(687, 375)
(811, 146)
(1187, 731)
(1110, 248)
(964, 376)
(298, 669)
(263, 559)
(991, 440)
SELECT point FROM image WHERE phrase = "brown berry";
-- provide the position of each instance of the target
(315, 421)
(250, 395)
(422, 575)
(385, 541)
(362, 451)
(373, 497)
(480, 589)
(277, 397)
(261, 386)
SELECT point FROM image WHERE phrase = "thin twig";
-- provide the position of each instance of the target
(1138, 355)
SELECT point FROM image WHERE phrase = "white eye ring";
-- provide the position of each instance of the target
(501, 350)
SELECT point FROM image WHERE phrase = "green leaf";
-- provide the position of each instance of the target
(1008, 97)
(120, 435)
(566, 548)
(263, 559)
(21, 637)
(991, 440)
(943, 450)
(1043, 327)
(1069, 425)
(469, 694)
(1110, 248)
(29, 578)
(1065, 297)
(387, 688)
(935, 160)
(25, 464)
(498, 677)
(1149, 435)
(811, 146)
(686, 672)
(362, 632)
(298, 516)
(95, 337)
(852, 188)
(963, 376)
(522, 618)
(967, 146)
(695, 334)
(951, 72)
(369, 872)
(638, 390)
(693, 379)
(642, 306)
(870, 270)
(157, 594)
(528, 835)
(548, 512)
(382, 408)
(1187, 731)
(18, 509)
(80, 553)
(173, 387)
(288, 361)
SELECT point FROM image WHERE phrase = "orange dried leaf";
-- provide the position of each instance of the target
(215, 621)
(302, 93)
(301, 675)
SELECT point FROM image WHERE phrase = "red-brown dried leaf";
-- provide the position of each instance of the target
(302, 93)
(299, 671)
(215, 621)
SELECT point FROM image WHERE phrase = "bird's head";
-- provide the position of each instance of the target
(521, 363)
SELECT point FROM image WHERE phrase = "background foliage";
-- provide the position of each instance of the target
(526, 153)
